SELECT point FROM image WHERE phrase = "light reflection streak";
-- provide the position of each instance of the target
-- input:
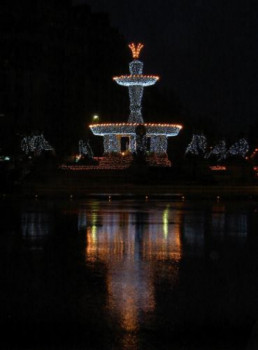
(165, 222)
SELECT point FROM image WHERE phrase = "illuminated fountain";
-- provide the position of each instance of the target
(154, 134)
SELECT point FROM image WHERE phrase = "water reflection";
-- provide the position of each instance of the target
(194, 232)
(144, 243)
(35, 226)
(130, 243)
(218, 220)
(226, 223)
(153, 269)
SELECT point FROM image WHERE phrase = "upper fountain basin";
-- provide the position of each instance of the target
(136, 80)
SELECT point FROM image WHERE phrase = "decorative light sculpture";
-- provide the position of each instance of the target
(197, 146)
(219, 151)
(35, 144)
(82, 148)
(156, 132)
(239, 148)
(136, 49)
(85, 149)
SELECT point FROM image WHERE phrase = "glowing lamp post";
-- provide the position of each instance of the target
(95, 118)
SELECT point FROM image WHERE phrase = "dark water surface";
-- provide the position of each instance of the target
(128, 274)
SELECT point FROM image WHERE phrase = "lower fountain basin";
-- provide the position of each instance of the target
(152, 129)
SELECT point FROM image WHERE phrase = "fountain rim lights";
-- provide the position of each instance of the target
(136, 80)
(143, 76)
(126, 129)
(135, 124)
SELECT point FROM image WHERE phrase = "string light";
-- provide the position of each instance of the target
(135, 80)
(218, 167)
(197, 146)
(127, 129)
(35, 144)
(219, 151)
(239, 148)
(254, 153)
(141, 144)
(85, 149)
(136, 49)
(136, 83)
(136, 68)
(111, 143)
(132, 143)
(82, 148)
(159, 144)
(135, 97)
(156, 132)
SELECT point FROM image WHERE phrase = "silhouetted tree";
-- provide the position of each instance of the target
(56, 68)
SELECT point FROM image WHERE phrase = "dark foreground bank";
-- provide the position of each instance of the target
(121, 184)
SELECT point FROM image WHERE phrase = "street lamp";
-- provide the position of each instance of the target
(95, 118)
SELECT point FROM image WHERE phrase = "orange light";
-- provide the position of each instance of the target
(136, 76)
(134, 124)
(136, 49)
(254, 153)
(218, 168)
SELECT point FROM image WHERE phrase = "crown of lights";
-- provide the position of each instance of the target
(136, 49)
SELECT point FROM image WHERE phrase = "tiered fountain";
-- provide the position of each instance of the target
(156, 133)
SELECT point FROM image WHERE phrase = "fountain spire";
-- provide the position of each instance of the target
(136, 82)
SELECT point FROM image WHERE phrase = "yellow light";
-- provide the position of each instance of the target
(95, 118)
(165, 222)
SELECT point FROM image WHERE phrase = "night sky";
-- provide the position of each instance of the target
(205, 51)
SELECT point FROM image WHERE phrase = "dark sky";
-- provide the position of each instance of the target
(205, 51)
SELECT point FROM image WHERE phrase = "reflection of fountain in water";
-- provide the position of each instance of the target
(128, 278)
(130, 244)
(193, 232)
(35, 227)
(227, 223)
